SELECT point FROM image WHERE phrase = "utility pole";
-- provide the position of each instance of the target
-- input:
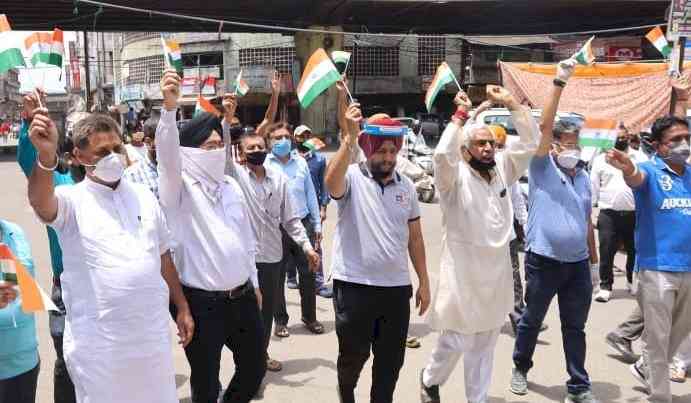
(86, 71)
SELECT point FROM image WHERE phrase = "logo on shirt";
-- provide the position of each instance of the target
(677, 203)
(403, 199)
(665, 182)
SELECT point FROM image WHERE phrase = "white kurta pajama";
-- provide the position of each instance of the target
(474, 293)
(117, 341)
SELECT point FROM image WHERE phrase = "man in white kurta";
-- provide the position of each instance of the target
(117, 342)
(474, 291)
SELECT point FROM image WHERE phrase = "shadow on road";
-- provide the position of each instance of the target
(299, 366)
(605, 392)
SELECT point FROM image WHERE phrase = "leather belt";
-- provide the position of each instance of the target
(235, 293)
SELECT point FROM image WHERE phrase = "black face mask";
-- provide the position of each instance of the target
(481, 165)
(256, 158)
(621, 145)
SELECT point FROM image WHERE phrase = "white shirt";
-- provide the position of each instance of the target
(520, 209)
(610, 191)
(115, 296)
(215, 245)
(474, 292)
(136, 154)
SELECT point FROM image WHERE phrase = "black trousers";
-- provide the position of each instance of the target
(294, 256)
(615, 227)
(63, 388)
(223, 321)
(21, 388)
(270, 286)
(375, 318)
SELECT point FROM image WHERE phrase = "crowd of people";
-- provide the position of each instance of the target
(207, 223)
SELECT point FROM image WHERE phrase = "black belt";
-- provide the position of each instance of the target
(618, 212)
(235, 293)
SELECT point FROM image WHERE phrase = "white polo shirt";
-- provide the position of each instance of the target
(371, 242)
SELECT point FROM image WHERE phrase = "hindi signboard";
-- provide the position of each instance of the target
(679, 19)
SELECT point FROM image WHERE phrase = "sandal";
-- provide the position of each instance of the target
(282, 331)
(273, 365)
(412, 342)
(315, 327)
(677, 374)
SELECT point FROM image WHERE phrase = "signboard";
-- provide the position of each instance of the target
(131, 93)
(190, 86)
(74, 68)
(624, 53)
(680, 19)
(210, 71)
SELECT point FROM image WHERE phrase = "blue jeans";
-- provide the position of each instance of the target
(572, 285)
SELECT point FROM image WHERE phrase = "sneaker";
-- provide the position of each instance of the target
(603, 296)
(519, 382)
(638, 373)
(428, 394)
(292, 283)
(583, 397)
(677, 373)
(622, 346)
(325, 291)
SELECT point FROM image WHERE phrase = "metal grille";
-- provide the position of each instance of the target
(374, 61)
(280, 58)
(431, 51)
(131, 37)
(145, 70)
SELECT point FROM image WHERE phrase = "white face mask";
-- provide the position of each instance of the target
(568, 159)
(207, 165)
(110, 168)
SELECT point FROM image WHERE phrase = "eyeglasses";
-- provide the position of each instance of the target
(674, 141)
(482, 143)
(214, 145)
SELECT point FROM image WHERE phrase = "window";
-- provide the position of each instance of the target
(431, 51)
(145, 70)
(280, 58)
(374, 60)
(208, 63)
(132, 37)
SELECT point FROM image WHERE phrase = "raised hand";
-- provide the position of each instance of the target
(44, 135)
(565, 69)
(7, 293)
(500, 95)
(230, 105)
(682, 85)
(462, 100)
(276, 83)
(170, 87)
(342, 84)
(353, 117)
(31, 102)
(621, 161)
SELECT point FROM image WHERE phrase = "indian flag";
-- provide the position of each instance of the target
(10, 56)
(320, 74)
(341, 60)
(657, 38)
(443, 76)
(241, 86)
(586, 55)
(172, 54)
(45, 47)
(33, 298)
(314, 144)
(598, 133)
(204, 105)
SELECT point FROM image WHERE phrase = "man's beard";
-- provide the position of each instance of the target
(379, 171)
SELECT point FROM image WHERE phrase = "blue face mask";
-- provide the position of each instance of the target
(281, 148)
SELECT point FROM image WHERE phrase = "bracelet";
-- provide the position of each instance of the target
(635, 171)
(38, 162)
(461, 114)
(559, 82)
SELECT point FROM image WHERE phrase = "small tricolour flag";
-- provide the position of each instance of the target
(320, 74)
(10, 55)
(45, 47)
(209, 86)
(204, 105)
(314, 144)
(341, 60)
(241, 86)
(33, 298)
(586, 55)
(598, 133)
(657, 38)
(443, 76)
(172, 53)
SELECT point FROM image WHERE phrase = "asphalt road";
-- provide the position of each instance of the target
(309, 373)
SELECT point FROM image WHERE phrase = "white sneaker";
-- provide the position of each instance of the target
(603, 296)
